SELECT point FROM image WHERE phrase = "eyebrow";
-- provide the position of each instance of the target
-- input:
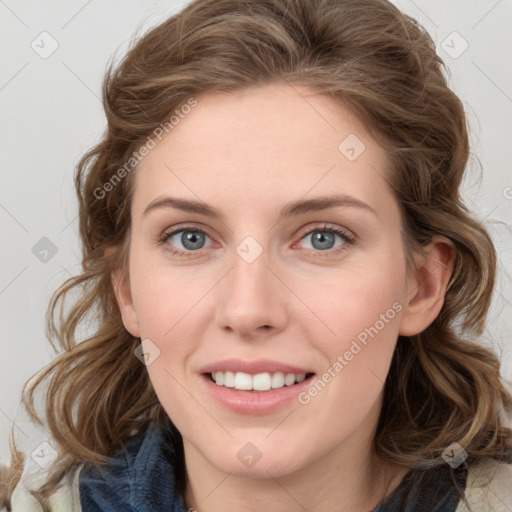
(294, 208)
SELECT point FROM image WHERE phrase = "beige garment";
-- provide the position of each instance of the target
(66, 499)
(488, 488)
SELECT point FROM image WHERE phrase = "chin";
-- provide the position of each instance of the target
(251, 462)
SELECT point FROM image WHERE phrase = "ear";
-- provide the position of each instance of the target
(121, 286)
(427, 287)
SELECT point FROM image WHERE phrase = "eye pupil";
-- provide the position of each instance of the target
(190, 239)
(322, 237)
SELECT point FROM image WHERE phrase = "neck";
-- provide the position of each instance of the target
(350, 477)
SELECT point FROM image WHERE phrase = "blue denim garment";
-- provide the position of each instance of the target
(437, 492)
(140, 478)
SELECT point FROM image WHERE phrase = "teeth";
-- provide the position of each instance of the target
(262, 382)
(229, 379)
(277, 380)
(259, 382)
(289, 379)
(243, 381)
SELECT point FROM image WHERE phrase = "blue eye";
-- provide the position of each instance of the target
(192, 239)
(323, 239)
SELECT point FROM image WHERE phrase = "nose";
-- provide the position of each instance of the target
(251, 299)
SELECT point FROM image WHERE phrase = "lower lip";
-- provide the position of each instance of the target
(255, 402)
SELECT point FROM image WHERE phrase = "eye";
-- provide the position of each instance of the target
(183, 241)
(186, 240)
(322, 239)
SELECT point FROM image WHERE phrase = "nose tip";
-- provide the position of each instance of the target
(250, 301)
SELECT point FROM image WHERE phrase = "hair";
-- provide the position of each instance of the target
(381, 64)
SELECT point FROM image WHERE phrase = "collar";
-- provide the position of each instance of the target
(436, 490)
(138, 477)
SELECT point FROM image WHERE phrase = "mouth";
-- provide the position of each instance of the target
(260, 382)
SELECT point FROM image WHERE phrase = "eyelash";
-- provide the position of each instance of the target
(347, 239)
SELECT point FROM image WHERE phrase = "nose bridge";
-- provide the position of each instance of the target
(250, 296)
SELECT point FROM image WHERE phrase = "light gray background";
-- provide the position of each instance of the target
(51, 114)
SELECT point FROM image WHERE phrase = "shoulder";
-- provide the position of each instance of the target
(38, 453)
(65, 499)
(88, 483)
(489, 483)
(75, 487)
(92, 485)
(488, 488)
(139, 476)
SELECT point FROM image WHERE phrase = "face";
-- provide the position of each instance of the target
(263, 278)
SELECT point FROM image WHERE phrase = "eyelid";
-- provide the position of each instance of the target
(184, 227)
(195, 227)
(168, 232)
(343, 232)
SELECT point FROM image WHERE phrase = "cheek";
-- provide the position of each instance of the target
(172, 385)
(167, 305)
(355, 300)
(164, 295)
(360, 315)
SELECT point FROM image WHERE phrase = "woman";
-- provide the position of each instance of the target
(286, 283)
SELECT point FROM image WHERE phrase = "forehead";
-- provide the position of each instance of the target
(261, 144)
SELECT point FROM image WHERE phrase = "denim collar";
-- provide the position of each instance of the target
(138, 478)
(438, 489)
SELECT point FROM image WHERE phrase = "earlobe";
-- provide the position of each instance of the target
(122, 292)
(426, 289)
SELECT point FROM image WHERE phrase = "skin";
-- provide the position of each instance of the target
(248, 154)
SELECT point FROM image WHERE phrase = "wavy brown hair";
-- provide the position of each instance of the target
(442, 386)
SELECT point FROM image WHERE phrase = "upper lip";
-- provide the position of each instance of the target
(252, 367)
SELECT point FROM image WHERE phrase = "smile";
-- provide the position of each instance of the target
(260, 382)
